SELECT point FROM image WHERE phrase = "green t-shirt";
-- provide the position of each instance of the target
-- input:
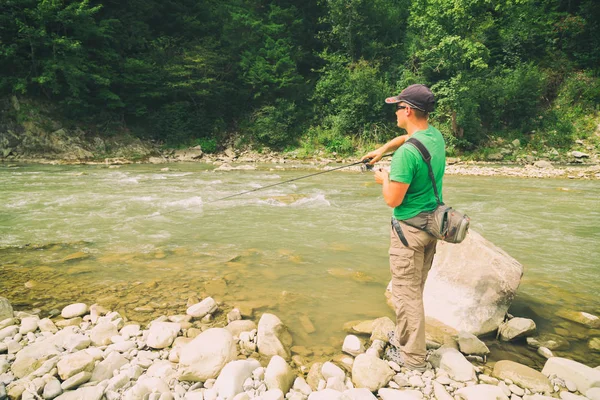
(408, 167)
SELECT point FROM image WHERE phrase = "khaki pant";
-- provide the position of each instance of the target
(409, 267)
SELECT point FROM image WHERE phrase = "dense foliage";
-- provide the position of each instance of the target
(289, 72)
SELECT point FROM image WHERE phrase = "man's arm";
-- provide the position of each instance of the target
(393, 192)
(392, 145)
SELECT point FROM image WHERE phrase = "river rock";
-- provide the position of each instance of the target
(239, 326)
(393, 394)
(593, 393)
(162, 334)
(381, 327)
(583, 376)
(516, 328)
(29, 324)
(75, 363)
(470, 344)
(594, 344)
(273, 337)
(104, 369)
(279, 375)
(370, 372)
(231, 379)
(549, 341)
(85, 393)
(326, 394)
(206, 306)
(205, 356)
(481, 392)
(589, 320)
(144, 387)
(100, 334)
(9, 331)
(522, 375)
(352, 345)
(454, 363)
(440, 392)
(542, 164)
(329, 370)
(76, 380)
(471, 285)
(74, 310)
(314, 375)
(6, 310)
(52, 389)
(46, 325)
(33, 356)
(162, 369)
(359, 394)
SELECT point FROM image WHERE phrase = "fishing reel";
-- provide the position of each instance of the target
(368, 166)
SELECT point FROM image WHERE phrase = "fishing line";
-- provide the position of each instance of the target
(366, 161)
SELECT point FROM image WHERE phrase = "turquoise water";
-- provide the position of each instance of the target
(143, 241)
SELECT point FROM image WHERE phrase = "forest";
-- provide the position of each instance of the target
(291, 74)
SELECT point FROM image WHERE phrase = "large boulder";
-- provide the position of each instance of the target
(273, 337)
(205, 356)
(471, 285)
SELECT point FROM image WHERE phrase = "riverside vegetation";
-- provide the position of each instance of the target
(309, 76)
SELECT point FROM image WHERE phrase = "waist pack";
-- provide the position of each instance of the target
(444, 222)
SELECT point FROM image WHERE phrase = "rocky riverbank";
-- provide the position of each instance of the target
(90, 352)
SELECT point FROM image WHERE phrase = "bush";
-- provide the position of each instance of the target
(274, 125)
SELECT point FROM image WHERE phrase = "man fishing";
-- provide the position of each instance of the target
(407, 188)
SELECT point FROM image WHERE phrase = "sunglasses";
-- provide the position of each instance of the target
(399, 107)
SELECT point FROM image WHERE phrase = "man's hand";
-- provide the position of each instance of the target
(373, 156)
(381, 176)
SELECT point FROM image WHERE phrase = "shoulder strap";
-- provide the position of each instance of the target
(427, 158)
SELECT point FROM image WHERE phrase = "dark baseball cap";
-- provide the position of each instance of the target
(417, 96)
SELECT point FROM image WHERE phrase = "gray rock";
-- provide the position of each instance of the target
(579, 154)
(162, 334)
(543, 164)
(46, 325)
(85, 393)
(205, 356)
(101, 333)
(3, 395)
(522, 375)
(52, 389)
(279, 375)
(75, 363)
(583, 376)
(593, 393)
(239, 326)
(370, 372)
(29, 324)
(545, 352)
(32, 356)
(440, 392)
(206, 306)
(516, 328)
(76, 380)
(74, 310)
(548, 340)
(359, 394)
(454, 363)
(326, 394)
(273, 337)
(481, 392)
(470, 344)
(6, 310)
(104, 369)
(232, 377)
(393, 394)
(352, 345)
(8, 332)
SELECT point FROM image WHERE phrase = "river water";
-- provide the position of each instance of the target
(314, 252)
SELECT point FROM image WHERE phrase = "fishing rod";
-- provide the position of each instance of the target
(365, 161)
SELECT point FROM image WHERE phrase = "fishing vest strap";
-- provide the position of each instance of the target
(398, 230)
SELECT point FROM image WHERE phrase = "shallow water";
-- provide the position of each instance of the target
(143, 241)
